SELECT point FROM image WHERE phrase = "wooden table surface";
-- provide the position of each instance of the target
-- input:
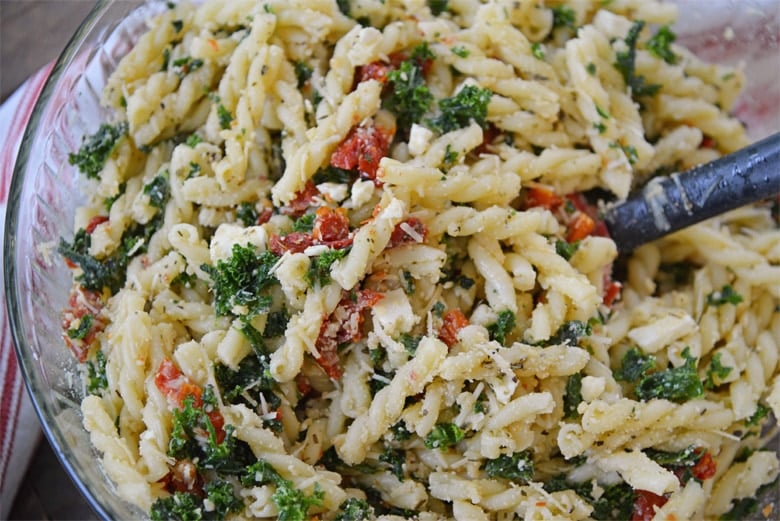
(33, 33)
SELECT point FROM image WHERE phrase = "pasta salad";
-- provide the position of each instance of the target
(343, 259)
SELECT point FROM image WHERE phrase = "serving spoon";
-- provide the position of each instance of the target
(670, 203)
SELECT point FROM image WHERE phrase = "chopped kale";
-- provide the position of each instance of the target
(602, 111)
(96, 374)
(224, 115)
(591, 68)
(687, 457)
(109, 201)
(178, 25)
(726, 295)
(437, 7)
(248, 382)
(276, 323)
(292, 504)
(181, 506)
(678, 384)
(564, 16)
(332, 174)
(634, 365)
(193, 140)
(762, 411)
(305, 223)
(158, 190)
(503, 325)
(626, 64)
(95, 274)
(570, 333)
(303, 72)
(221, 497)
(460, 51)
(354, 509)
(537, 50)
(96, 148)
(409, 97)
(80, 332)
(186, 65)
(343, 6)
(319, 270)
(400, 433)
(566, 249)
(601, 127)
(241, 279)
(443, 436)
(450, 155)
(247, 214)
(630, 151)
(573, 396)
(660, 42)
(716, 372)
(165, 62)
(518, 467)
(410, 342)
(465, 282)
(437, 309)
(741, 509)
(617, 502)
(396, 458)
(470, 104)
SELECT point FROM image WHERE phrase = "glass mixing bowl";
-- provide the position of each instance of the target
(46, 191)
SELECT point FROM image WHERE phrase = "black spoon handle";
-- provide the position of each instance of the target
(670, 203)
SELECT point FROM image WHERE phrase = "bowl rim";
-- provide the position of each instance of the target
(13, 297)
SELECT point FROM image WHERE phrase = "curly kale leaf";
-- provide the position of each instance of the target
(634, 365)
(678, 384)
(503, 325)
(626, 64)
(443, 436)
(240, 280)
(469, 104)
(409, 97)
(518, 467)
(96, 149)
(354, 509)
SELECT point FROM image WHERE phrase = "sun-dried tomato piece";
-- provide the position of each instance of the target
(400, 234)
(541, 196)
(294, 242)
(705, 468)
(82, 303)
(95, 222)
(302, 201)
(330, 225)
(645, 503)
(452, 322)
(363, 147)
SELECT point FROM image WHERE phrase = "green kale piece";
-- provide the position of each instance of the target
(437, 7)
(304, 223)
(332, 174)
(186, 65)
(292, 504)
(634, 365)
(354, 509)
(678, 384)
(626, 64)
(716, 371)
(303, 72)
(566, 249)
(660, 43)
(193, 140)
(537, 50)
(573, 396)
(570, 333)
(443, 436)
(726, 295)
(742, 509)
(518, 467)
(158, 190)
(687, 457)
(400, 432)
(95, 274)
(616, 502)
(80, 332)
(247, 214)
(396, 458)
(762, 411)
(470, 104)
(224, 116)
(409, 97)
(319, 270)
(410, 342)
(96, 148)
(564, 16)
(344, 7)
(181, 506)
(503, 325)
(96, 374)
(220, 493)
(460, 51)
(276, 323)
(241, 279)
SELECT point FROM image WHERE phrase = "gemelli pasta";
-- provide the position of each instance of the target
(344, 260)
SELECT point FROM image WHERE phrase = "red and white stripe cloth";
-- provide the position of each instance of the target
(19, 427)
